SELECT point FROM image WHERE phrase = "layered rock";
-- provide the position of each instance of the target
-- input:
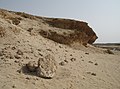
(81, 32)
(64, 31)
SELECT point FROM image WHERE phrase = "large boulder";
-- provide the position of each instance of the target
(47, 67)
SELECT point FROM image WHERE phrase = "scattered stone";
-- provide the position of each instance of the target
(31, 66)
(94, 74)
(19, 52)
(48, 49)
(40, 54)
(39, 49)
(70, 54)
(36, 79)
(27, 78)
(60, 46)
(19, 71)
(73, 59)
(30, 29)
(46, 67)
(13, 48)
(96, 63)
(66, 61)
(66, 50)
(87, 53)
(2, 58)
(82, 60)
(11, 57)
(13, 86)
(1, 53)
(27, 57)
(62, 63)
(16, 61)
(18, 41)
(83, 78)
(17, 57)
(109, 51)
(90, 61)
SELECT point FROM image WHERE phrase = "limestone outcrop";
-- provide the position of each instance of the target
(80, 31)
(64, 31)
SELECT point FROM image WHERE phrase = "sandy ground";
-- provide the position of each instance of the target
(83, 67)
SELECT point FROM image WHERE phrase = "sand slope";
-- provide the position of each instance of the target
(82, 67)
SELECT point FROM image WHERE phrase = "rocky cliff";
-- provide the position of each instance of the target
(64, 31)
(82, 32)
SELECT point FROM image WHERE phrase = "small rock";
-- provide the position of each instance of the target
(66, 61)
(73, 59)
(27, 57)
(66, 50)
(17, 57)
(62, 63)
(31, 66)
(16, 61)
(94, 74)
(30, 29)
(13, 86)
(40, 54)
(82, 60)
(87, 53)
(2, 58)
(19, 71)
(39, 49)
(1, 53)
(109, 51)
(27, 78)
(19, 52)
(60, 46)
(36, 79)
(18, 41)
(90, 61)
(11, 57)
(48, 49)
(46, 67)
(13, 48)
(96, 63)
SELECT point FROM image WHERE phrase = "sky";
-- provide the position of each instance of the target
(103, 16)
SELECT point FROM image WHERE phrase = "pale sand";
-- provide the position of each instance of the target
(91, 69)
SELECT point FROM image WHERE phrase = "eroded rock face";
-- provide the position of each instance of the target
(47, 67)
(82, 32)
(64, 31)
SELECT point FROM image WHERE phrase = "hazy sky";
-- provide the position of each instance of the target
(102, 15)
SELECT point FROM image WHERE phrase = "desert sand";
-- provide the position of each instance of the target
(79, 66)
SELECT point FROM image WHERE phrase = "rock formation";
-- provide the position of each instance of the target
(82, 32)
(47, 67)
(64, 31)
